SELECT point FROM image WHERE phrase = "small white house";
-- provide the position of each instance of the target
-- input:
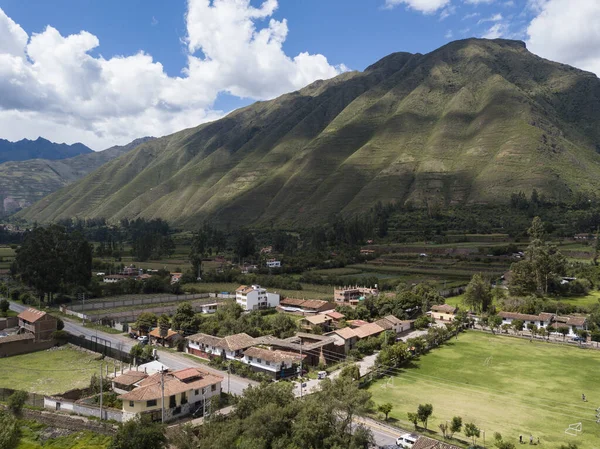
(209, 308)
(272, 263)
(276, 363)
(255, 297)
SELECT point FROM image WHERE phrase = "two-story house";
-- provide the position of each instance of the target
(180, 392)
(230, 347)
(276, 363)
(38, 323)
(255, 297)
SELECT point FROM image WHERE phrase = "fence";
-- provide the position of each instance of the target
(33, 399)
(83, 306)
(101, 346)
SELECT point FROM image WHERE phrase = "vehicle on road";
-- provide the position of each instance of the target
(143, 340)
(321, 374)
(580, 339)
(407, 440)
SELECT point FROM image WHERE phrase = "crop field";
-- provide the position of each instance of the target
(50, 372)
(581, 301)
(7, 255)
(502, 384)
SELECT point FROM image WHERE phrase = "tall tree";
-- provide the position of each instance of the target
(478, 295)
(424, 412)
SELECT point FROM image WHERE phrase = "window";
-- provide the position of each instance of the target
(213, 387)
(196, 392)
(151, 403)
(267, 362)
(250, 359)
(131, 404)
(172, 402)
(184, 399)
(259, 360)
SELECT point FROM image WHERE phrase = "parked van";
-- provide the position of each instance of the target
(407, 440)
(322, 374)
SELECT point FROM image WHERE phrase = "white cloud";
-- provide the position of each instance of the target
(479, 2)
(447, 12)
(495, 31)
(567, 32)
(424, 6)
(494, 18)
(471, 16)
(51, 85)
(449, 34)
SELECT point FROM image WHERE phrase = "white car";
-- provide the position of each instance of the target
(143, 339)
(407, 440)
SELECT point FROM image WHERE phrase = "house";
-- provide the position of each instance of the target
(541, 320)
(127, 381)
(443, 312)
(175, 277)
(170, 340)
(114, 278)
(182, 392)
(317, 348)
(231, 347)
(305, 305)
(275, 363)
(430, 443)
(336, 317)
(356, 323)
(273, 263)
(38, 323)
(320, 320)
(367, 252)
(254, 298)
(351, 296)
(345, 338)
(574, 323)
(368, 330)
(266, 250)
(390, 322)
(209, 308)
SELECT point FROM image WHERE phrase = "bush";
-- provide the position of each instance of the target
(4, 306)
(16, 401)
(61, 337)
(10, 434)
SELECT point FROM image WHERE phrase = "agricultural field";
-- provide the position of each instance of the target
(309, 291)
(502, 384)
(50, 372)
(7, 255)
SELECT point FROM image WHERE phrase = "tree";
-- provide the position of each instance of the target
(564, 330)
(500, 443)
(597, 247)
(164, 323)
(533, 329)
(145, 321)
(413, 418)
(444, 428)
(385, 409)
(455, 425)
(245, 244)
(495, 322)
(351, 371)
(424, 412)
(542, 332)
(478, 295)
(4, 306)
(550, 329)
(140, 434)
(60, 324)
(16, 401)
(472, 431)
(518, 326)
(9, 431)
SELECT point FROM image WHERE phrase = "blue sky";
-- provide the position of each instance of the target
(350, 34)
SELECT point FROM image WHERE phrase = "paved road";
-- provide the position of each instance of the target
(172, 360)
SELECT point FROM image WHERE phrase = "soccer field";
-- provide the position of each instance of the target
(502, 384)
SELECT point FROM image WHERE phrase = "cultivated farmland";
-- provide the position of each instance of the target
(502, 384)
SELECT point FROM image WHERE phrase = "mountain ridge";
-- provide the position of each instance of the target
(468, 123)
(39, 148)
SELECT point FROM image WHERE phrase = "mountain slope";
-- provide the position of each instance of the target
(24, 182)
(39, 149)
(470, 122)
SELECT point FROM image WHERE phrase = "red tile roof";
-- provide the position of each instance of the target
(31, 315)
(335, 315)
(444, 308)
(368, 330)
(130, 377)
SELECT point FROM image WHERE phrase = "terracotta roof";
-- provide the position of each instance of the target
(356, 323)
(346, 333)
(189, 373)
(150, 388)
(244, 289)
(430, 443)
(317, 319)
(444, 308)
(384, 324)
(392, 319)
(333, 314)
(291, 302)
(156, 333)
(205, 339)
(315, 304)
(368, 330)
(518, 316)
(544, 316)
(236, 342)
(130, 377)
(571, 320)
(31, 315)
(273, 355)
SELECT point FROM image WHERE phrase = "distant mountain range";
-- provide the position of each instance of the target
(24, 182)
(39, 149)
(471, 122)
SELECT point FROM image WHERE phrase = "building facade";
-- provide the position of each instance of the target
(255, 297)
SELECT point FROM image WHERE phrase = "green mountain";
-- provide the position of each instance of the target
(471, 122)
(22, 183)
(39, 149)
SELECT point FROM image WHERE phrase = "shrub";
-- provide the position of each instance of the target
(16, 401)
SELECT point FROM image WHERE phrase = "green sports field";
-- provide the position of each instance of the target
(502, 384)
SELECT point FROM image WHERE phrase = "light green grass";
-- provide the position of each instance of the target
(309, 291)
(50, 372)
(7, 251)
(526, 388)
(31, 432)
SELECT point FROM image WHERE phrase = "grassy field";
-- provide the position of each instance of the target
(309, 291)
(49, 372)
(582, 301)
(528, 388)
(34, 436)
(7, 255)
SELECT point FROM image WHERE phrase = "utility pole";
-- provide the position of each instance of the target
(101, 382)
(162, 389)
(229, 378)
(301, 379)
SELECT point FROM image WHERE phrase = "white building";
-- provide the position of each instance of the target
(276, 363)
(272, 263)
(255, 297)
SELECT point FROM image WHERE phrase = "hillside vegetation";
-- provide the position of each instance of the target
(469, 123)
(22, 183)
